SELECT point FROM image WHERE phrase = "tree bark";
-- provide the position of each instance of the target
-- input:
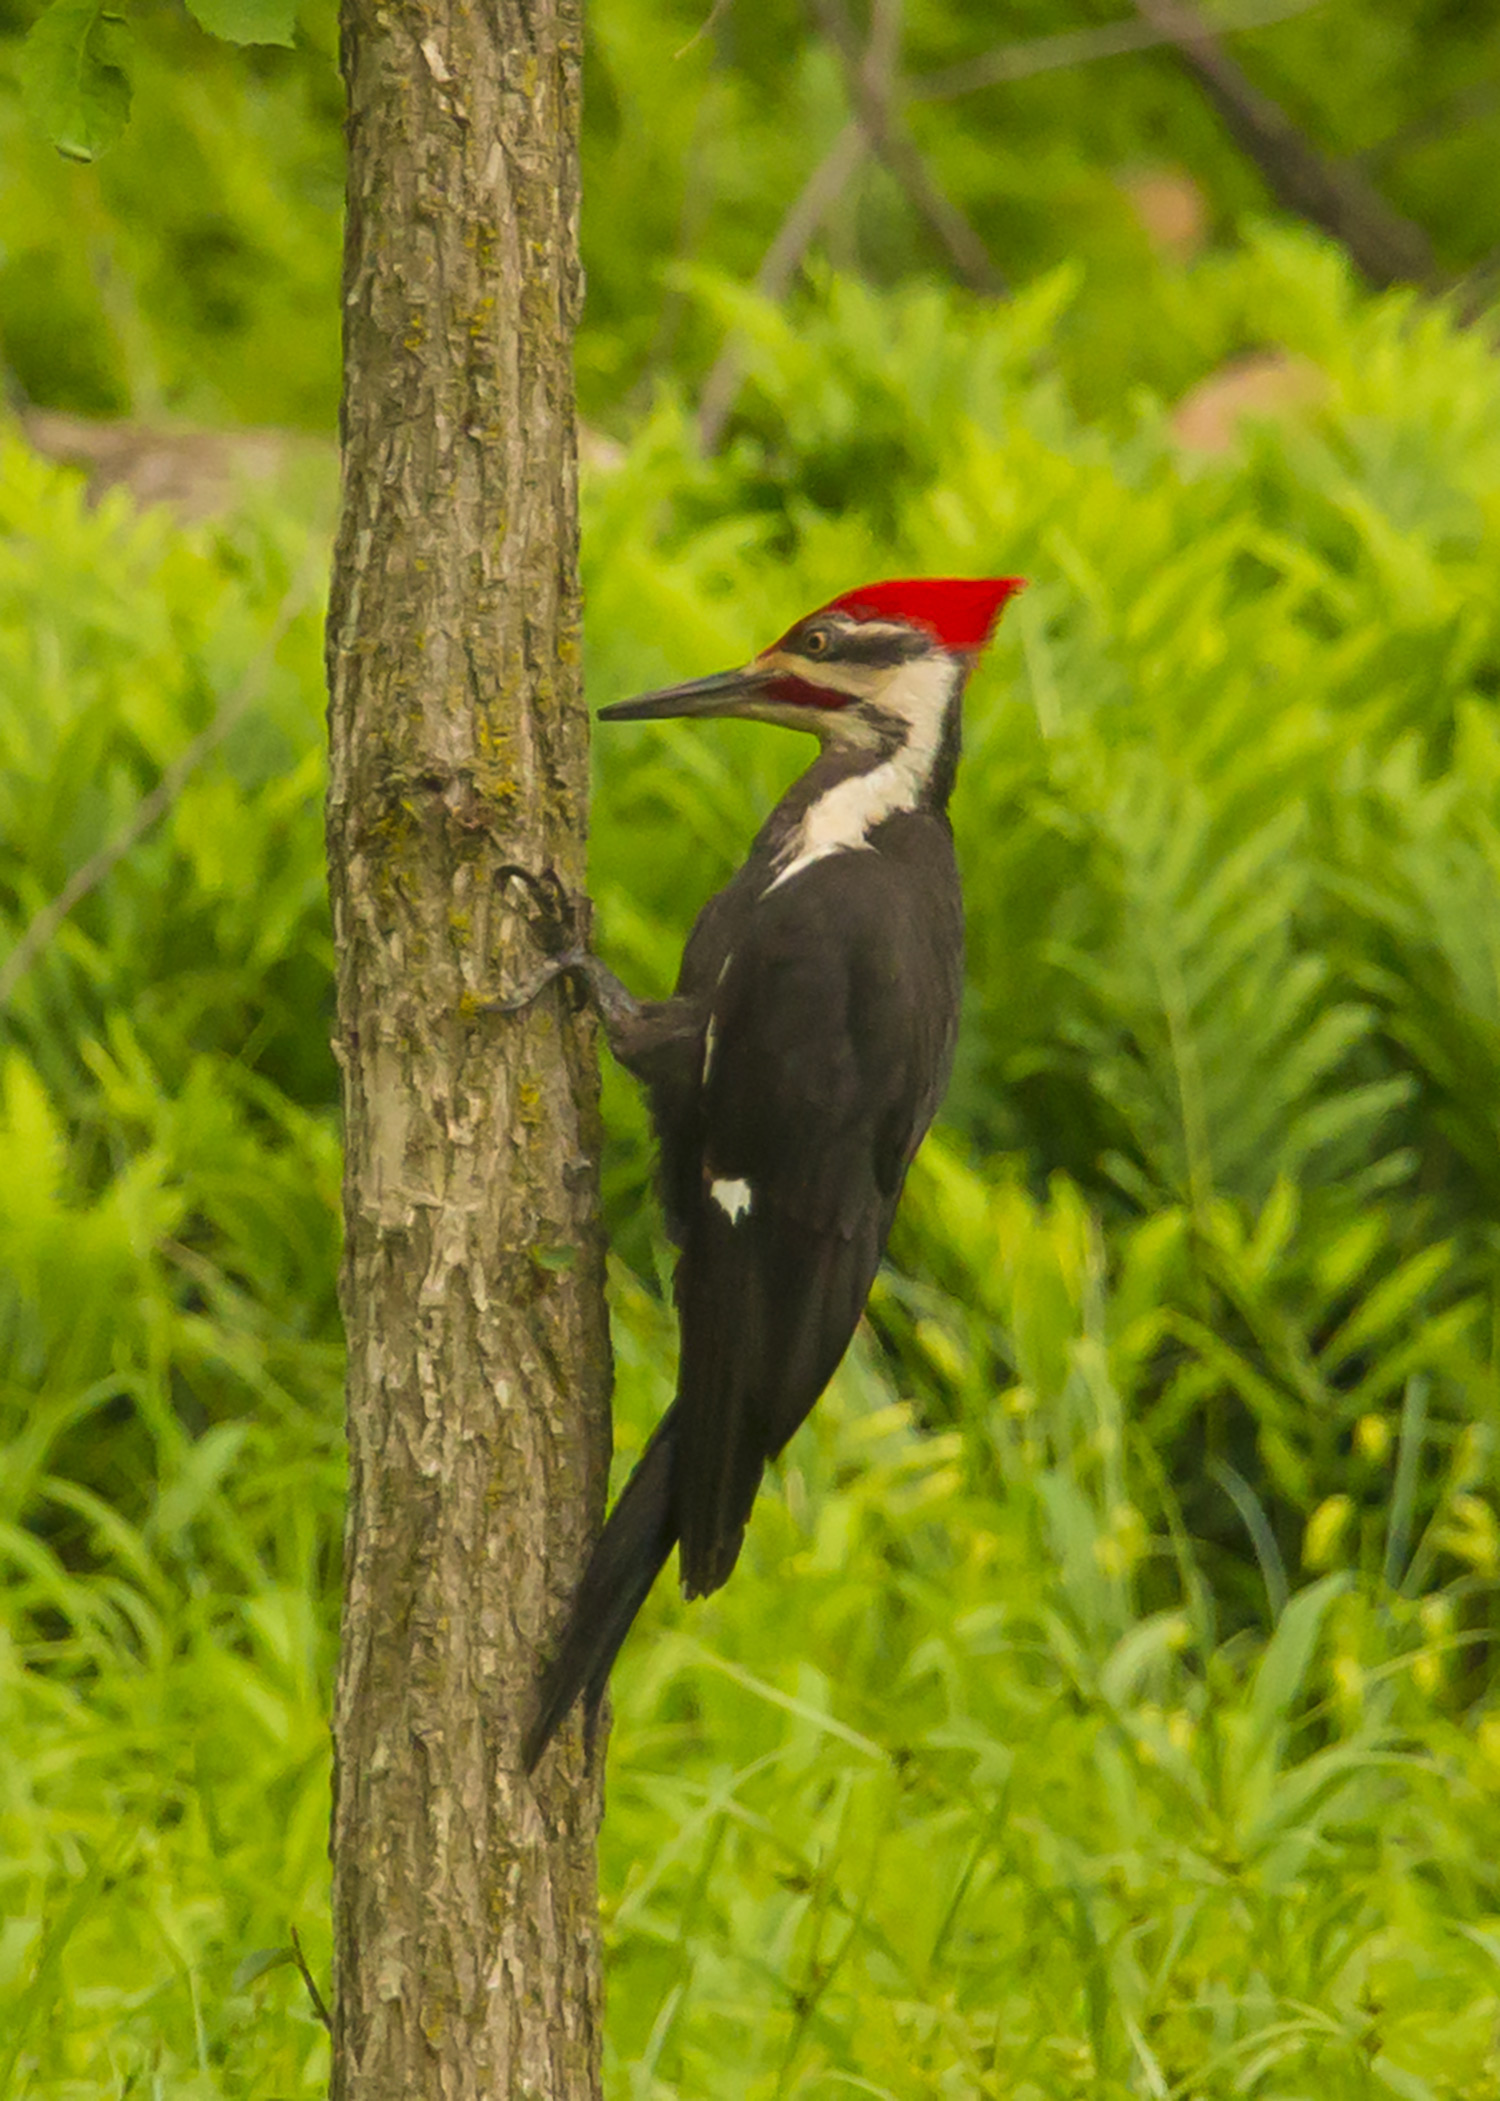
(466, 1952)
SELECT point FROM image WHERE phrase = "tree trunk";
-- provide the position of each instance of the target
(465, 1938)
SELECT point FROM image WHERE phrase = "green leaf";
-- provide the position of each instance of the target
(246, 21)
(257, 1964)
(74, 77)
(1281, 1677)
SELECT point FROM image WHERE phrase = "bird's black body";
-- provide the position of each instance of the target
(791, 1077)
(834, 1003)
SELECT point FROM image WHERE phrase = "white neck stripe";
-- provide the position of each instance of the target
(841, 820)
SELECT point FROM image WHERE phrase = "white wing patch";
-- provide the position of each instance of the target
(710, 1036)
(734, 1199)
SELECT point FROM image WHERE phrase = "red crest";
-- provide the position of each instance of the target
(960, 610)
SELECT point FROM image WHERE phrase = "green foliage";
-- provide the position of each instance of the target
(75, 75)
(169, 1161)
(1205, 758)
(1138, 1735)
(75, 69)
(1000, 1827)
(193, 268)
(170, 1464)
(247, 21)
(196, 267)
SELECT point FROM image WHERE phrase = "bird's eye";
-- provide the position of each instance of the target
(815, 642)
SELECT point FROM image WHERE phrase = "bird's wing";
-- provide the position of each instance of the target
(826, 1055)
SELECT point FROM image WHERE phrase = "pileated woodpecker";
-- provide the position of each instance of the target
(792, 1074)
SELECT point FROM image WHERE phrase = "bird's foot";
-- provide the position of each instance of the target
(571, 960)
(559, 921)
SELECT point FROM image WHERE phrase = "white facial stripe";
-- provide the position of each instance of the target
(860, 681)
(893, 631)
(734, 1199)
(842, 820)
(845, 727)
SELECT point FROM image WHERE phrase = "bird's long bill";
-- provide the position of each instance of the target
(726, 693)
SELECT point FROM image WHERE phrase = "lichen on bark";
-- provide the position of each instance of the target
(466, 1957)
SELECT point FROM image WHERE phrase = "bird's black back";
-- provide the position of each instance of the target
(832, 1001)
(797, 1067)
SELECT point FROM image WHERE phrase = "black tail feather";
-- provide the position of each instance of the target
(626, 1561)
(746, 1384)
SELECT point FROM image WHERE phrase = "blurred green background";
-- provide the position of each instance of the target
(1106, 1702)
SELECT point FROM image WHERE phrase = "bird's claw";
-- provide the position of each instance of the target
(558, 922)
(558, 919)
